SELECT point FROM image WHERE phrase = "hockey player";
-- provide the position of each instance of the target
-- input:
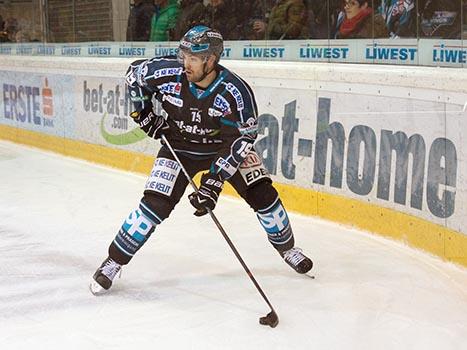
(209, 116)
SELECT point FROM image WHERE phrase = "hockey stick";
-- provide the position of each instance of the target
(271, 319)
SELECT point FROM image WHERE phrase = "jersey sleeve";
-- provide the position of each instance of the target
(239, 129)
(144, 78)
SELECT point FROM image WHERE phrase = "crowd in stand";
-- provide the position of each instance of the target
(164, 20)
(168, 20)
(12, 31)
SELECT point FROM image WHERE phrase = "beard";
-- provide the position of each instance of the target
(195, 77)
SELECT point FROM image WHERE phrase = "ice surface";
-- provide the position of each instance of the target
(186, 290)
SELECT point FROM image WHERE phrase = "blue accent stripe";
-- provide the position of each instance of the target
(220, 78)
(228, 122)
(270, 208)
(150, 215)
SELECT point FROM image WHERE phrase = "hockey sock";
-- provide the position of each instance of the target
(275, 221)
(135, 231)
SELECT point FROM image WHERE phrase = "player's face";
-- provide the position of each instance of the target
(194, 67)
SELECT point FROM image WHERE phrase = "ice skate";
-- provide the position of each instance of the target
(297, 260)
(103, 277)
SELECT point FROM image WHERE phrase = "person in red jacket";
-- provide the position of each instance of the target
(358, 20)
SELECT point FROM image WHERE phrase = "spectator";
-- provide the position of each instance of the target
(222, 15)
(254, 16)
(192, 13)
(322, 18)
(288, 20)
(3, 34)
(10, 28)
(400, 17)
(464, 25)
(440, 19)
(164, 20)
(359, 21)
(22, 36)
(139, 20)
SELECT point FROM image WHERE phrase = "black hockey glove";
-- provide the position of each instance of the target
(153, 125)
(207, 195)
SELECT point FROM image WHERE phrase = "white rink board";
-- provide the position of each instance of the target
(368, 105)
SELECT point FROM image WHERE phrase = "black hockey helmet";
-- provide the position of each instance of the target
(203, 41)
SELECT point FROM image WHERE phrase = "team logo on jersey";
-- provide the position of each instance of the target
(141, 72)
(130, 77)
(250, 127)
(214, 113)
(195, 129)
(166, 72)
(171, 88)
(173, 100)
(252, 168)
(226, 166)
(221, 103)
(237, 95)
(134, 97)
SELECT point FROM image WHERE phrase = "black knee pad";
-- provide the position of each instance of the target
(260, 195)
(159, 204)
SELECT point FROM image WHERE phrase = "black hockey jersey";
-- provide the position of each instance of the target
(218, 122)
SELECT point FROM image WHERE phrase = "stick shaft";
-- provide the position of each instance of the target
(219, 226)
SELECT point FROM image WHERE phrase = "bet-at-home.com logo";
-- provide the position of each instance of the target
(393, 165)
(113, 105)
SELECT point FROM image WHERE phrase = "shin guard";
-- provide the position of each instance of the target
(135, 231)
(275, 221)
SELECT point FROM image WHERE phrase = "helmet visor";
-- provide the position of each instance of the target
(183, 54)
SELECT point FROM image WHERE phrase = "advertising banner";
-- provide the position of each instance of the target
(38, 102)
(102, 115)
(426, 52)
(398, 147)
(398, 152)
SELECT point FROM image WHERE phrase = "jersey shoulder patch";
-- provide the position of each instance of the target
(239, 95)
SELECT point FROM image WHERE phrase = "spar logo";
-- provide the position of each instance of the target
(112, 107)
(29, 104)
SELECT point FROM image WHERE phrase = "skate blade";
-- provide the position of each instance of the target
(96, 289)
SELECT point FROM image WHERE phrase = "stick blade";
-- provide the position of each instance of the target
(271, 320)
